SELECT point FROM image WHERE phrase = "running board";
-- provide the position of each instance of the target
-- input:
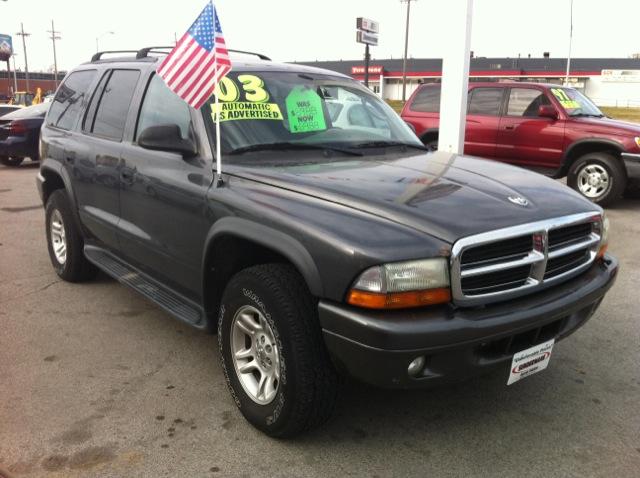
(174, 303)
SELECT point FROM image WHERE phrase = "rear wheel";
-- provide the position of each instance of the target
(13, 161)
(64, 241)
(272, 351)
(600, 177)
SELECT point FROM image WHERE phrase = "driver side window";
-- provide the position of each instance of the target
(161, 106)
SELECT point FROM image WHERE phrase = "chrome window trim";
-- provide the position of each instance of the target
(537, 257)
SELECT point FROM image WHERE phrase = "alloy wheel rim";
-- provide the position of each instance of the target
(58, 237)
(593, 181)
(255, 355)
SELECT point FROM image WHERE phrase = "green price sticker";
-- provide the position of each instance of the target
(304, 108)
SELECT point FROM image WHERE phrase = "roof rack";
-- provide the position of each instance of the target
(144, 52)
(98, 55)
(259, 55)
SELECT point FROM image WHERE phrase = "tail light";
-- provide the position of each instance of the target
(17, 128)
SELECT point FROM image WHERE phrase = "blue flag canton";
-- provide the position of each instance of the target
(202, 29)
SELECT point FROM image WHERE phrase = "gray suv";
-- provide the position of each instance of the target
(332, 243)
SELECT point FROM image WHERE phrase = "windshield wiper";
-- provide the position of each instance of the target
(385, 144)
(285, 145)
(588, 115)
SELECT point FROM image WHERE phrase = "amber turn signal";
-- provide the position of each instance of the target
(398, 300)
(602, 251)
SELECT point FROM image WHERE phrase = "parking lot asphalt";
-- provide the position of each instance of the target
(97, 382)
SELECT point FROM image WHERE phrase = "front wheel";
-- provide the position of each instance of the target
(12, 161)
(272, 352)
(600, 177)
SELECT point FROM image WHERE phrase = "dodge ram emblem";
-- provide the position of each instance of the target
(520, 201)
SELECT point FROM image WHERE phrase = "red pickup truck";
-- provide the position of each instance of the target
(550, 128)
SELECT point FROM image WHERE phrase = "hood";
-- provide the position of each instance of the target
(446, 196)
(617, 127)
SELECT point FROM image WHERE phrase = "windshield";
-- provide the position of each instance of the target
(575, 103)
(300, 111)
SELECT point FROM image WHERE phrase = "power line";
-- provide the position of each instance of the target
(24, 48)
(54, 36)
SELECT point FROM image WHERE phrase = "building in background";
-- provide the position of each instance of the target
(608, 81)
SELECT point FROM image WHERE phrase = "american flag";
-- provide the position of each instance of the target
(198, 61)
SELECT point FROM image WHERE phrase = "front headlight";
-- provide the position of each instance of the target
(402, 284)
(637, 140)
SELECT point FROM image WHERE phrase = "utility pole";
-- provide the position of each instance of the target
(54, 36)
(24, 48)
(406, 49)
(566, 78)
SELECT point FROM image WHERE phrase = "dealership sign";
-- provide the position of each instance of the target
(621, 76)
(6, 47)
(373, 70)
(367, 31)
(367, 25)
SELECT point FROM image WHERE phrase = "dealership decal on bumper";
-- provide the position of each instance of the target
(530, 361)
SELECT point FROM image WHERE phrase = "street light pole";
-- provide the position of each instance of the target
(54, 37)
(24, 48)
(566, 78)
(406, 49)
(100, 36)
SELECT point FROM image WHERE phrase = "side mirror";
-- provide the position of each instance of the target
(166, 137)
(411, 127)
(548, 111)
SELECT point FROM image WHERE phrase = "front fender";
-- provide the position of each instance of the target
(273, 239)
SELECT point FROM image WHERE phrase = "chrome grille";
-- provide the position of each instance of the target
(519, 260)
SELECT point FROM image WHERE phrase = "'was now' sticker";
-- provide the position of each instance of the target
(304, 110)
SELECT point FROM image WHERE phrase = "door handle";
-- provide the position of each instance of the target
(510, 127)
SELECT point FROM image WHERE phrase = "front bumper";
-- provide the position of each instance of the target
(632, 163)
(376, 347)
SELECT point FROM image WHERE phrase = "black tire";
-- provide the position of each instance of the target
(76, 267)
(12, 161)
(614, 168)
(430, 142)
(308, 384)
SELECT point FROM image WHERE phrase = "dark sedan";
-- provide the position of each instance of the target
(20, 133)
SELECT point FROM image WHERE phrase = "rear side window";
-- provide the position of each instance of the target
(485, 101)
(70, 99)
(162, 106)
(427, 100)
(526, 102)
(113, 105)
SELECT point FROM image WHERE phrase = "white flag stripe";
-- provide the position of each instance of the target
(206, 63)
(187, 70)
(207, 90)
(170, 60)
(196, 92)
(204, 79)
(177, 66)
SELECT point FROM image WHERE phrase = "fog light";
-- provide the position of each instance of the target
(416, 366)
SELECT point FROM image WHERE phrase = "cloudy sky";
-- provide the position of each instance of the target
(301, 30)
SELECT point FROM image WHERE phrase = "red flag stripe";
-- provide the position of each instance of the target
(170, 60)
(188, 69)
(190, 57)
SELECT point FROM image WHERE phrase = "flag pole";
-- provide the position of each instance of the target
(218, 145)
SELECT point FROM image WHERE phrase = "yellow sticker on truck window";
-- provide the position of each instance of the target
(564, 99)
(246, 110)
